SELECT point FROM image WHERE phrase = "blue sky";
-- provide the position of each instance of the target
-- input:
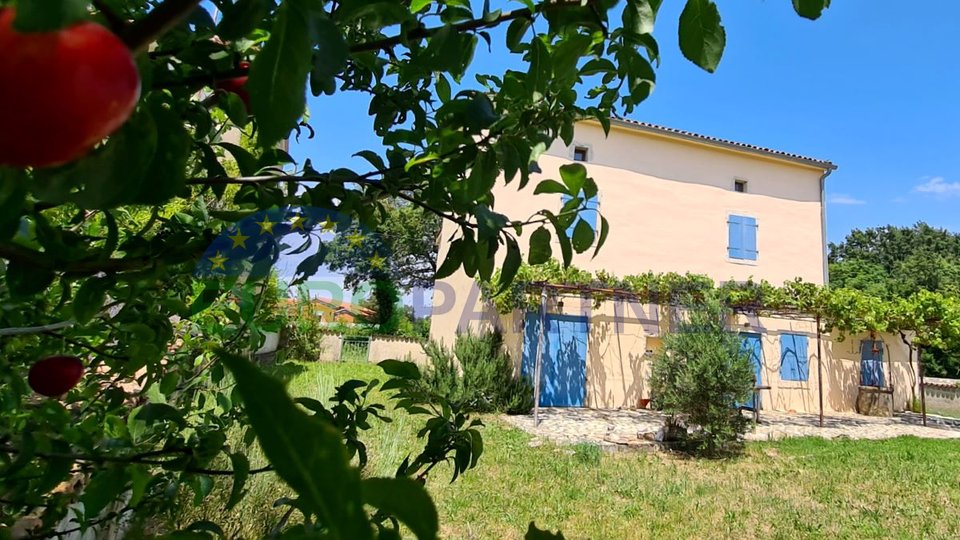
(872, 86)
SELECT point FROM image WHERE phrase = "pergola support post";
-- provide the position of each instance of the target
(820, 369)
(539, 361)
(923, 391)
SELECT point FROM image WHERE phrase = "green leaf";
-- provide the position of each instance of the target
(278, 76)
(573, 175)
(403, 370)
(533, 533)
(511, 264)
(236, 109)
(25, 280)
(241, 471)
(417, 5)
(702, 37)
(452, 261)
(582, 236)
(538, 76)
(560, 227)
(810, 9)
(604, 230)
(489, 223)
(206, 526)
(306, 452)
(246, 161)
(241, 18)
(155, 412)
(89, 299)
(330, 56)
(540, 249)
(48, 15)
(549, 186)
(515, 32)
(104, 488)
(639, 15)
(407, 500)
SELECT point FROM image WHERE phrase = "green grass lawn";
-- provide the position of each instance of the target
(800, 488)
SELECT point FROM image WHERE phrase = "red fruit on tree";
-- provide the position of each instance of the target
(54, 375)
(61, 92)
(236, 85)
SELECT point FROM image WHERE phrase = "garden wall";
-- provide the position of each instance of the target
(943, 396)
(335, 347)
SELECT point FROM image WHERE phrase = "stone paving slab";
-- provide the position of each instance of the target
(633, 429)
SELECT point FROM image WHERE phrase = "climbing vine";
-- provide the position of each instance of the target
(931, 318)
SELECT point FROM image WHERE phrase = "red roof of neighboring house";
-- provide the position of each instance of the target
(716, 141)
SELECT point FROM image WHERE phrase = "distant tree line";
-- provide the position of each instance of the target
(891, 261)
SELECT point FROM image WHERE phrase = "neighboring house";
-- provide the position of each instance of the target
(682, 202)
(329, 311)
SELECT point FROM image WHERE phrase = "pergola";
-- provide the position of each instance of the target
(547, 290)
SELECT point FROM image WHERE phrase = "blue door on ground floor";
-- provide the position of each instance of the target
(563, 369)
(750, 343)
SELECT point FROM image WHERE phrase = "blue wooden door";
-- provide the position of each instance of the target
(871, 363)
(563, 370)
(750, 343)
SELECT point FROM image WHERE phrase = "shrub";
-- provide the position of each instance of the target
(700, 375)
(302, 333)
(477, 375)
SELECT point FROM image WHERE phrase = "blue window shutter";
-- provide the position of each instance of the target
(793, 358)
(591, 214)
(803, 358)
(871, 363)
(749, 238)
(735, 237)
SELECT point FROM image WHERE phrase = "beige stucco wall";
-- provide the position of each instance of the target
(667, 201)
(623, 338)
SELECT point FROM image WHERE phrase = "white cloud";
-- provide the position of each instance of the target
(939, 187)
(840, 198)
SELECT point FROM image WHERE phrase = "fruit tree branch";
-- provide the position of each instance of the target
(139, 35)
(40, 260)
(35, 329)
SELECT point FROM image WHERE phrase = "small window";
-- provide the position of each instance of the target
(742, 238)
(794, 362)
(580, 153)
(740, 186)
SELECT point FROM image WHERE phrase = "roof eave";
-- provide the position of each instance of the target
(726, 145)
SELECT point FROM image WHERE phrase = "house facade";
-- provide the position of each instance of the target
(682, 202)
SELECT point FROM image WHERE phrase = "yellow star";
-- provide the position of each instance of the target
(355, 239)
(297, 223)
(218, 261)
(377, 261)
(266, 226)
(328, 225)
(239, 240)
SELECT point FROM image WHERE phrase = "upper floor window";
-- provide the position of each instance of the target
(589, 215)
(742, 238)
(580, 153)
(794, 362)
(740, 186)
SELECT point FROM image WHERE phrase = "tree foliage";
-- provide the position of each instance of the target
(403, 248)
(100, 255)
(904, 262)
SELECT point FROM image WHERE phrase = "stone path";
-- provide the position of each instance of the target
(634, 429)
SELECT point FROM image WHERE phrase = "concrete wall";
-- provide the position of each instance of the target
(943, 396)
(380, 348)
